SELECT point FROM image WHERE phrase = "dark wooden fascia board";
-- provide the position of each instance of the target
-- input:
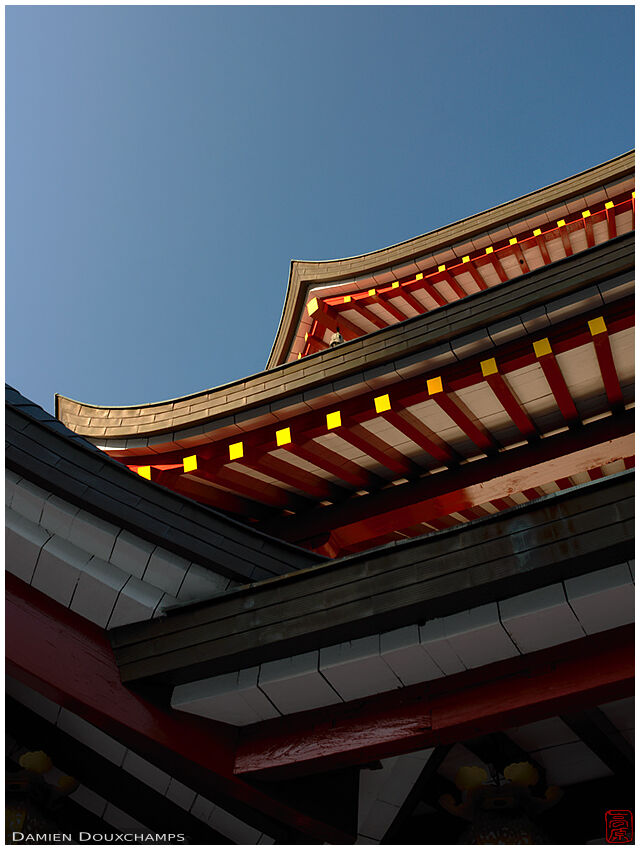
(557, 537)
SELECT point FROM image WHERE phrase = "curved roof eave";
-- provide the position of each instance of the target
(306, 273)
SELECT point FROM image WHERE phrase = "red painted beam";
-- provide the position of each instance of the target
(383, 299)
(542, 245)
(556, 381)
(328, 317)
(566, 242)
(449, 278)
(253, 488)
(211, 495)
(412, 428)
(471, 269)
(365, 441)
(362, 310)
(494, 259)
(295, 476)
(611, 221)
(569, 677)
(602, 345)
(588, 229)
(517, 252)
(412, 301)
(508, 399)
(335, 464)
(455, 410)
(69, 660)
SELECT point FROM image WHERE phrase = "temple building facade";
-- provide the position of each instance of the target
(381, 592)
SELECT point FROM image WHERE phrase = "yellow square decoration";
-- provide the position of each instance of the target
(586, 214)
(346, 299)
(441, 268)
(434, 385)
(561, 222)
(395, 284)
(489, 250)
(513, 241)
(372, 292)
(608, 205)
(382, 403)
(597, 326)
(334, 420)
(489, 367)
(236, 451)
(312, 306)
(283, 437)
(190, 463)
(419, 276)
(537, 232)
(466, 259)
(542, 347)
(144, 472)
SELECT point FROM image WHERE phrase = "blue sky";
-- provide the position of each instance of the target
(164, 164)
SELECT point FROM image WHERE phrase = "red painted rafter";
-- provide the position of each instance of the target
(494, 259)
(417, 432)
(295, 476)
(566, 242)
(404, 293)
(588, 229)
(470, 268)
(198, 752)
(507, 398)
(334, 464)
(602, 345)
(329, 318)
(573, 222)
(542, 245)
(517, 252)
(362, 439)
(384, 301)
(520, 470)
(611, 221)
(521, 690)
(455, 410)
(511, 356)
(362, 310)
(556, 381)
(210, 495)
(449, 278)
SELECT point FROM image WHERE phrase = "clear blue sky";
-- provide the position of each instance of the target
(164, 164)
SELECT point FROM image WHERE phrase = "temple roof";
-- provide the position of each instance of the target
(568, 198)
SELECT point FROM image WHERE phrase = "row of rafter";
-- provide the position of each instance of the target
(378, 308)
(325, 457)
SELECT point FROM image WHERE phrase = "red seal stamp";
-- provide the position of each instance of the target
(619, 826)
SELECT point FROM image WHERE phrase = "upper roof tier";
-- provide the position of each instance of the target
(358, 295)
(366, 294)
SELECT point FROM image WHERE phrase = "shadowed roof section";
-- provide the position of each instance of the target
(43, 450)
